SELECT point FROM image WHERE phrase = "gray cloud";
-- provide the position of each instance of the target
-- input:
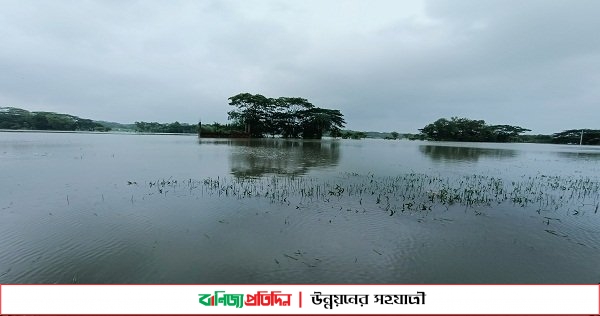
(388, 65)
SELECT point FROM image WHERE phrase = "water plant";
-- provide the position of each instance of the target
(410, 192)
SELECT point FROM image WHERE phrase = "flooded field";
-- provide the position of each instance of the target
(110, 208)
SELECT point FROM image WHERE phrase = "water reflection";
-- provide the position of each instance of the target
(471, 154)
(260, 157)
(588, 156)
(521, 214)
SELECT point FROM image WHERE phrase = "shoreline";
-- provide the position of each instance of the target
(90, 132)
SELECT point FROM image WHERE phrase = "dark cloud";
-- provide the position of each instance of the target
(388, 65)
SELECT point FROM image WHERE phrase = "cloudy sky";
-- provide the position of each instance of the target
(387, 65)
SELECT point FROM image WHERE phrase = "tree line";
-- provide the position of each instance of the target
(175, 127)
(468, 130)
(15, 118)
(575, 136)
(289, 117)
(259, 116)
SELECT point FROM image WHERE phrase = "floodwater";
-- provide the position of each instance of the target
(113, 208)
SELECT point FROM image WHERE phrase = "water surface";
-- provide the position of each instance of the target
(111, 208)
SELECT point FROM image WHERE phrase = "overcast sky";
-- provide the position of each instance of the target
(387, 65)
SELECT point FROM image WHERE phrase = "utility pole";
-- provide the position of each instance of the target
(581, 139)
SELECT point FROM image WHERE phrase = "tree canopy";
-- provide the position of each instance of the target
(290, 117)
(15, 118)
(468, 130)
(574, 136)
(175, 127)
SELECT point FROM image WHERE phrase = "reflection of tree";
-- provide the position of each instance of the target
(580, 155)
(438, 153)
(259, 157)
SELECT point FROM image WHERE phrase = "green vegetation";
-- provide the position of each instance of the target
(15, 118)
(222, 130)
(360, 134)
(259, 116)
(408, 193)
(288, 117)
(539, 138)
(411, 136)
(574, 136)
(175, 127)
(352, 135)
(114, 126)
(467, 130)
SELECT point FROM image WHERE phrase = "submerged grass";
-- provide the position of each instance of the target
(411, 192)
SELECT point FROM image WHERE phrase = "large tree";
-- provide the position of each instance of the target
(316, 121)
(253, 111)
(288, 116)
(285, 116)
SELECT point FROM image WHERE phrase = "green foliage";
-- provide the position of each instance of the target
(175, 127)
(288, 116)
(411, 136)
(539, 138)
(254, 112)
(335, 132)
(221, 130)
(467, 130)
(353, 135)
(15, 118)
(285, 116)
(506, 133)
(574, 136)
(118, 126)
(316, 121)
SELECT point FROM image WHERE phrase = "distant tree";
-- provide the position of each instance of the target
(507, 133)
(353, 135)
(15, 118)
(218, 127)
(539, 138)
(82, 124)
(394, 135)
(574, 136)
(411, 136)
(40, 121)
(467, 130)
(359, 135)
(175, 127)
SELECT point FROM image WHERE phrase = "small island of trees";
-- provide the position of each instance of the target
(290, 117)
(468, 130)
